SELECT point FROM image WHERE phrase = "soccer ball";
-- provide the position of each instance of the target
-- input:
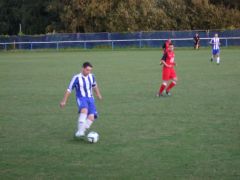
(93, 137)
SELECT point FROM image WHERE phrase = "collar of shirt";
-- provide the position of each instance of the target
(81, 75)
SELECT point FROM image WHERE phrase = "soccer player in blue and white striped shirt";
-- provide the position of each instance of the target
(83, 84)
(215, 42)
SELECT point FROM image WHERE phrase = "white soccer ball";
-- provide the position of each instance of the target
(93, 137)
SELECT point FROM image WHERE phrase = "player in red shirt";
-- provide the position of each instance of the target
(168, 71)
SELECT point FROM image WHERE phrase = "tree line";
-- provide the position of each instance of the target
(70, 16)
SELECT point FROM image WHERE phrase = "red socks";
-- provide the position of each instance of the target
(171, 85)
(163, 86)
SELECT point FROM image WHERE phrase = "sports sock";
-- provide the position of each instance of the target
(88, 123)
(170, 86)
(162, 87)
(218, 60)
(81, 122)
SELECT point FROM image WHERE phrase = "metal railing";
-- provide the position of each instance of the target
(138, 43)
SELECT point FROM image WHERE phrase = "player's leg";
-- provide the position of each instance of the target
(165, 79)
(92, 114)
(218, 57)
(89, 122)
(174, 78)
(83, 112)
(213, 55)
(170, 86)
(195, 45)
(162, 88)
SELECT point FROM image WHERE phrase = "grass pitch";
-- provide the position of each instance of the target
(195, 134)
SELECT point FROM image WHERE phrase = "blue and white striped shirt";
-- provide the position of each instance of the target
(215, 43)
(83, 85)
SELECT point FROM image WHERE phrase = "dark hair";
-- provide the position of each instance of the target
(87, 64)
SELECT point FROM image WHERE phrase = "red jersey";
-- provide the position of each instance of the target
(168, 57)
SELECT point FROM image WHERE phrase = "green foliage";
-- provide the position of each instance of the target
(47, 16)
(9, 16)
(235, 4)
(32, 15)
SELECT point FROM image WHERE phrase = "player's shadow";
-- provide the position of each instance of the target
(78, 141)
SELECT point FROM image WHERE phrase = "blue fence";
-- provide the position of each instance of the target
(120, 40)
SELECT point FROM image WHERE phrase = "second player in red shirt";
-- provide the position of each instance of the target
(169, 76)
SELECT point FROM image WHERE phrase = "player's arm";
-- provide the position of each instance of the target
(211, 42)
(165, 64)
(163, 61)
(65, 99)
(68, 92)
(96, 89)
(97, 92)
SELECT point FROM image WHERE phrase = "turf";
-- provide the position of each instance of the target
(192, 135)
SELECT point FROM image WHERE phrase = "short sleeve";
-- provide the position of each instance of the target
(72, 84)
(164, 58)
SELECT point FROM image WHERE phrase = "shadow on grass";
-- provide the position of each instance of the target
(75, 140)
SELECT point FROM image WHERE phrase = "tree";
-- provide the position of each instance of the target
(81, 15)
(46, 16)
(235, 4)
(32, 15)
(9, 16)
(178, 13)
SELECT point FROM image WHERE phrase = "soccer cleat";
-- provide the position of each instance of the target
(211, 59)
(168, 93)
(79, 134)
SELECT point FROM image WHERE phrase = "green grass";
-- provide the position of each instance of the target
(195, 134)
